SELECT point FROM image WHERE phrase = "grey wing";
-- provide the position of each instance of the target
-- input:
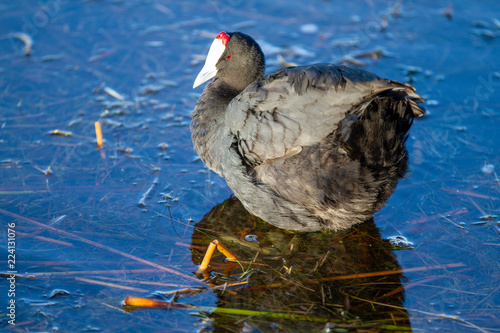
(299, 106)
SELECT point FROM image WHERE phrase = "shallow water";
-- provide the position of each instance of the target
(94, 226)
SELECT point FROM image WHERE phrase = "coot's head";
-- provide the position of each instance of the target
(234, 58)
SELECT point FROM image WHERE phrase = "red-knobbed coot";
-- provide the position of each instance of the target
(304, 148)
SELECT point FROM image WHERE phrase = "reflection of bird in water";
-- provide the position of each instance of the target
(304, 148)
(310, 274)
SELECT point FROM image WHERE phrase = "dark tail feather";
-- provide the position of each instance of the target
(376, 136)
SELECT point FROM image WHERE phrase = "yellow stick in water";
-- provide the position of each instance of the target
(98, 134)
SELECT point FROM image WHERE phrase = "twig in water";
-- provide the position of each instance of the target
(142, 202)
(113, 93)
(98, 134)
(26, 39)
(113, 285)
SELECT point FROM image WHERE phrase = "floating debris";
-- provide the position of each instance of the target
(116, 104)
(101, 56)
(59, 132)
(20, 103)
(410, 70)
(107, 113)
(52, 57)
(185, 123)
(112, 123)
(163, 145)
(56, 220)
(152, 88)
(252, 238)
(448, 12)
(165, 10)
(124, 150)
(440, 77)
(299, 51)
(400, 241)
(142, 201)
(269, 49)
(57, 293)
(167, 196)
(496, 23)
(46, 172)
(99, 87)
(346, 42)
(98, 135)
(113, 93)
(162, 106)
(480, 24)
(431, 102)
(384, 23)
(489, 217)
(486, 34)
(487, 112)
(284, 63)
(169, 83)
(309, 28)
(132, 301)
(74, 122)
(375, 54)
(488, 169)
(26, 39)
(480, 223)
(351, 60)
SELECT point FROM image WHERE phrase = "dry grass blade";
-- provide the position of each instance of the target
(113, 93)
(46, 239)
(112, 285)
(438, 216)
(396, 271)
(100, 272)
(142, 202)
(468, 193)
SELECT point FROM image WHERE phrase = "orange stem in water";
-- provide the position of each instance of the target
(98, 134)
(215, 244)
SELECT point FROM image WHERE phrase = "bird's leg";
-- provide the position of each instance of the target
(215, 244)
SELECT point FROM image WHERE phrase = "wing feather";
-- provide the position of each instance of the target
(299, 106)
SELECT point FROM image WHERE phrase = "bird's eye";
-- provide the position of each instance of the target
(229, 57)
